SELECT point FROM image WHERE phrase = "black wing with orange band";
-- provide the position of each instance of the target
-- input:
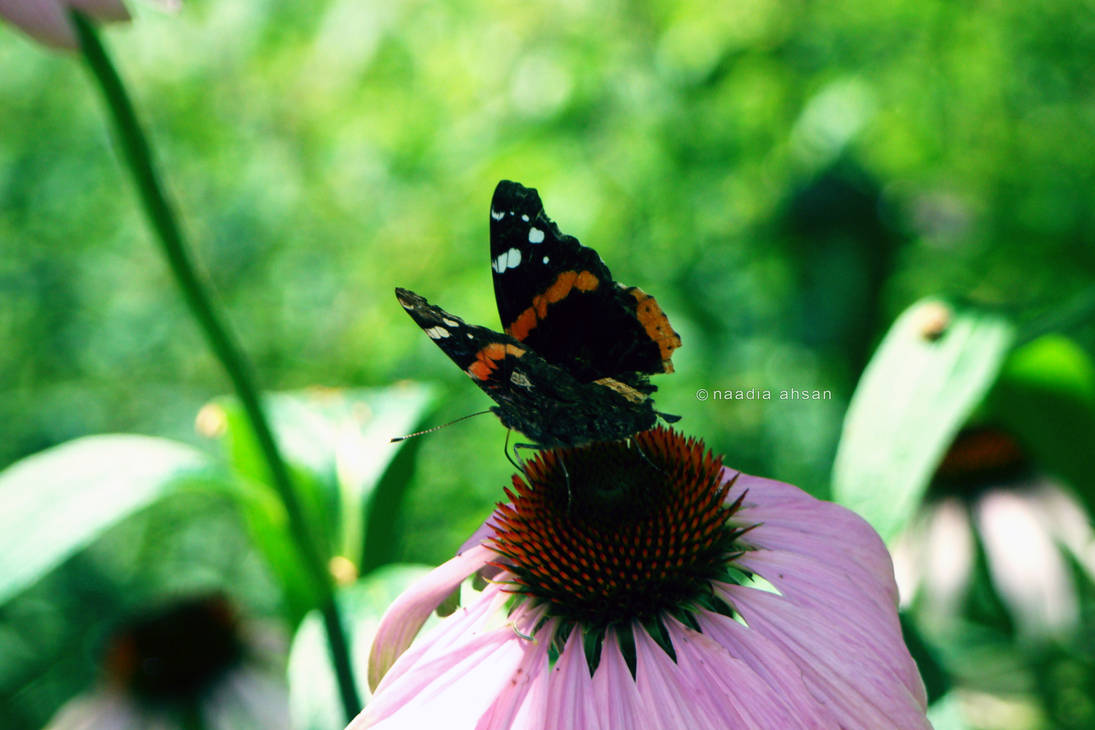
(541, 400)
(558, 297)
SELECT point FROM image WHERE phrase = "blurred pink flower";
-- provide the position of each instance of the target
(1028, 526)
(47, 21)
(190, 663)
(642, 585)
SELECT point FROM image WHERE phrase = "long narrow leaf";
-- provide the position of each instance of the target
(55, 502)
(932, 369)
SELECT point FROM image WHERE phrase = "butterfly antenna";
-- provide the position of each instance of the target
(437, 428)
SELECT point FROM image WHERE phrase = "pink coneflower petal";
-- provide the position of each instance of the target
(619, 703)
(779, 672)
(837, 594)
(837, 660)
(794, 522)
(822, 556)
(404, 618)
(526, 697)
(456, 679)
(567, 704)
(666, 692)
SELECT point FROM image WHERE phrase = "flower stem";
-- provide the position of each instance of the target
(154, 199)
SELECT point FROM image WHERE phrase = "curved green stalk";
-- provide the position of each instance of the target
(153, 198)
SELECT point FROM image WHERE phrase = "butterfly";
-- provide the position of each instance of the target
(573, 362)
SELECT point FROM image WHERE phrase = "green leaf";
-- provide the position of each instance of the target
(56, 502)
(932, 369)
(1046, 397)
(936, 681)
(349, 478)
(313, 694)
(946, 714)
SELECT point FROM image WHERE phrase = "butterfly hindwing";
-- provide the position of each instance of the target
(539, 399)
(558, 297)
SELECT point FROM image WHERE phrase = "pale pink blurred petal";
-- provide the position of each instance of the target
(43, 20)
(47, 20)
(934, 558)
(248, 696)
(1066, 520)
(909, 554)
(102, 10)
(404, 618)
(949, 558)
(1026, 567)
(449, 633)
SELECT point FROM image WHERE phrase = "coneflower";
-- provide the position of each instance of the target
(987, 493)
(192, 662)
(641, 584)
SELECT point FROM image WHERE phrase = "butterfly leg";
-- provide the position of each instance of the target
(518, 464)
(638, 448)
(566, 475)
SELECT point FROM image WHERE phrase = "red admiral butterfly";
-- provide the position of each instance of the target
(572, 366)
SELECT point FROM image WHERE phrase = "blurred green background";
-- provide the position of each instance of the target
(784, 177)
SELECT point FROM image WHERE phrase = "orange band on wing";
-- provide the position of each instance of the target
(656, 324)
(487, 359)
(564, 283)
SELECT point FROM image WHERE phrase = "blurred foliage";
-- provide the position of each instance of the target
(784, 177)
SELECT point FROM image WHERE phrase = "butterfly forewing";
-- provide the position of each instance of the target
(559, 298)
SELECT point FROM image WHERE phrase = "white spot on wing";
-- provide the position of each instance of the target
(436, 333)
(449, 322)
(535, 235)
(509, 260)
(545, 259)
(519, 378)
(524, 218)
(470, 336)
(496, 215)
